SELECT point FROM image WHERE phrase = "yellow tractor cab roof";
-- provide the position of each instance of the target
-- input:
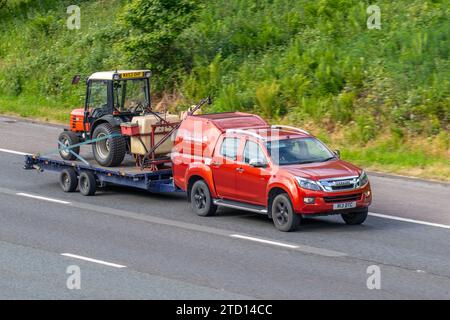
(121, 75)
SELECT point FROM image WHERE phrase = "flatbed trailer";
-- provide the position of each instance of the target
(127, 175)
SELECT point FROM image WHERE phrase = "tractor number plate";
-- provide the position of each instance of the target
(131, 75)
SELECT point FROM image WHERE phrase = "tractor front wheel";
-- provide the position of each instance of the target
(111, 151)
(67, 139)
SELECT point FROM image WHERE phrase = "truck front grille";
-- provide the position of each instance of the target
(339, 184)
(348, 197)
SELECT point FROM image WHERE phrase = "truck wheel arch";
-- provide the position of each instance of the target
(194, 177)
(273, 192)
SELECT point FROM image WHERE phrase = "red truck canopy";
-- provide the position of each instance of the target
(198, 134)
(234, 120)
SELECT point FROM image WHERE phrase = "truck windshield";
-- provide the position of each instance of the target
(131, 95)
(298, 151)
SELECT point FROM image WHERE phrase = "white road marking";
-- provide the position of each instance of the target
(275, 243)
(426, 223)
(110, 264)
(42, 198)
(299, 247)
(14, 152)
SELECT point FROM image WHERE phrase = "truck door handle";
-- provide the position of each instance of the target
(215, 164)
(240, 170)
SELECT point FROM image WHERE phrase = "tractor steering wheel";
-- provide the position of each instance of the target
(138, 107)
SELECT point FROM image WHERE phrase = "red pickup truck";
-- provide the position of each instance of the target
(238, 160)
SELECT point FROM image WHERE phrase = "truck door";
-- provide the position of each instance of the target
(252, 174)
(224, 165)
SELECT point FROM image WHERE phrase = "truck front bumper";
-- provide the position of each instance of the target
(324, 202)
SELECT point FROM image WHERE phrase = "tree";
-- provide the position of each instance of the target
(153, 28)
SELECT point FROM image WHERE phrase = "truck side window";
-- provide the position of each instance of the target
(229, 148)
(253, 150)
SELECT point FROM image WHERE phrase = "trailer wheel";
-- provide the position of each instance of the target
(68, 138)
(283, 215)
(355, 218)
(201, 201)
(87, 184)
(68, 180)
(109, 152)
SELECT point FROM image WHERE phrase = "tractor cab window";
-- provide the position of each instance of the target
(131, 95)
(98, 95)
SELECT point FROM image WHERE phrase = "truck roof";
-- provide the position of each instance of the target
(271, 133)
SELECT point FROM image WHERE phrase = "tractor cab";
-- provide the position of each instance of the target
(115, 97)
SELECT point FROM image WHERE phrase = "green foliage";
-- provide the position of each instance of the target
(315, 60)
(154, 27)
(39, 55)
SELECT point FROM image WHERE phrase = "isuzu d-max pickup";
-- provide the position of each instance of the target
(238, 160)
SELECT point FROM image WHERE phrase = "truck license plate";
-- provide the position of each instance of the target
(344, 205)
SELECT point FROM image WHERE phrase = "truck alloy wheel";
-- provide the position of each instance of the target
(201, 200)
(283, 214)
(108, 152)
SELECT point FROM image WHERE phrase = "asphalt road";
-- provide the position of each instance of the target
(149, 246)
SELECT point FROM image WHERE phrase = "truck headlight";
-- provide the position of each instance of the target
(307, 184)
(363, 179)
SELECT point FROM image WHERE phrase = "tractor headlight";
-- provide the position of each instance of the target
(116, 77)
(307, 184)
(148, 74)
(363, 179)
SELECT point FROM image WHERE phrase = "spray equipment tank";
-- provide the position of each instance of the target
(142, 143)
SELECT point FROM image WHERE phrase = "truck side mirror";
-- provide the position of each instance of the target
(258, 163)
(337, 153)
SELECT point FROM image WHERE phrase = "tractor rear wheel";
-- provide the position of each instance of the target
(108, 152)
(68, 138)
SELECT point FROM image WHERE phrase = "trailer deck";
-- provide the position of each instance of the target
(125, 175)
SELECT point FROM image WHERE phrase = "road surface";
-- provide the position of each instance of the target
(130, 244)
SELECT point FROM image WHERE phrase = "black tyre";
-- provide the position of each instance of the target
(109, 152)
(68, 180)
(355, 218)
(68, 138)
(87, 184)
(283, 215)
(201, 201)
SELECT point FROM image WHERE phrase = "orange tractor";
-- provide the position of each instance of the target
(117, 119)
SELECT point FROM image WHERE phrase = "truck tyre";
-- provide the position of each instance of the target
(109, 152)
(201, 201)
(283, 215)
(87, 184)
(355, 218)
(68, 180)
(68, 138)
